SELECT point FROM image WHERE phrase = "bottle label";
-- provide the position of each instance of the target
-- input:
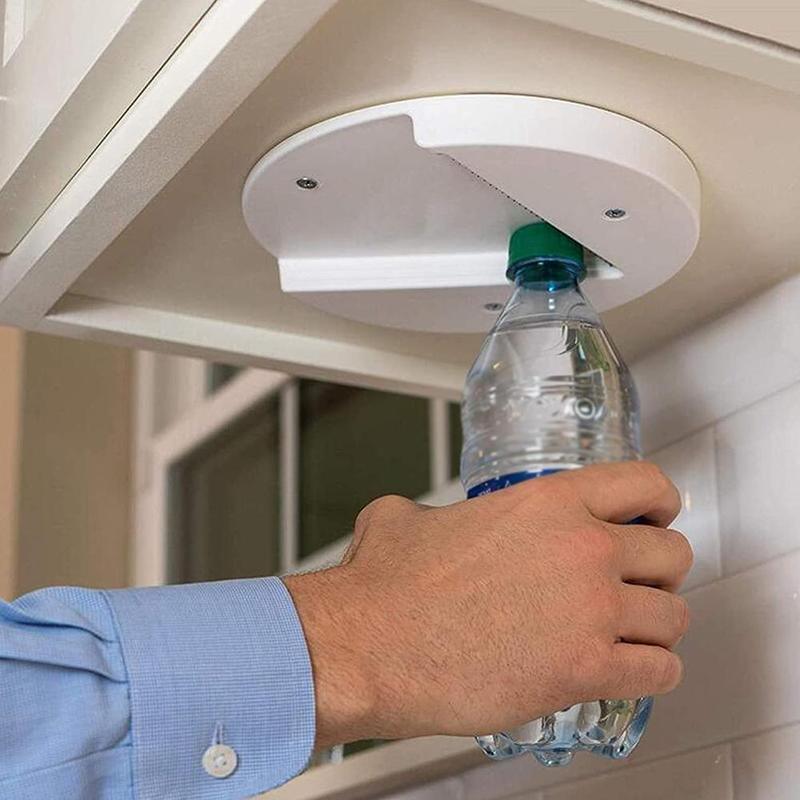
(504, 481)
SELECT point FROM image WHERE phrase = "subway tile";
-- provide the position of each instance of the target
(523, 776)
(701, 775)
(691, 465)
(721, 367)
(767, 767)
(757, 458)
(740, 656)
(741, 680)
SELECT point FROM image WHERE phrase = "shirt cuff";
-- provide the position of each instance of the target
(215, 663)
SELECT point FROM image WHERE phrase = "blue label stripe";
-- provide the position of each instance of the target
(504, 481)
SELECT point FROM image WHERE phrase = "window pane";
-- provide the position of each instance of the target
(352, 748)
(217, 375)
(456, 438)
(355, 445)
(224, 503)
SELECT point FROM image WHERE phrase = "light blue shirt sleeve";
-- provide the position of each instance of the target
(117, 695)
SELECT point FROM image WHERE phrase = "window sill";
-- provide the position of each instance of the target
(388, 768)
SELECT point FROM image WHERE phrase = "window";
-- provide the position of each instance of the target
(279, 484)
(224, 510)
(217, 375)
(456, 437)
(355, 445)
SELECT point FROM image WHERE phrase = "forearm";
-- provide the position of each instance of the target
(346, 694)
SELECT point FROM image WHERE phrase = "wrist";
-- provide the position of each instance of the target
(343, 690)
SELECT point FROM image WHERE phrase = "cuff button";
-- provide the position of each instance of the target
(220, 761)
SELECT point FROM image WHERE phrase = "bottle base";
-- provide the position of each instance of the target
(602, 728)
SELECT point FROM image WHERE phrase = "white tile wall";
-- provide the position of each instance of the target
(741, 658)
(523, 776)
(758, 454)
(691, 464)
(722, 417)
(702, 775)
(731, 363)
(767, 767)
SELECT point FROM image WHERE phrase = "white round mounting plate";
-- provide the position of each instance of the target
(400, 214)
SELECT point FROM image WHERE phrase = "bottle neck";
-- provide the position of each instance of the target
(549, 275)
(546, 294)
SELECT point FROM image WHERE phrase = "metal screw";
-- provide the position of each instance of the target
(307, 183)
(492, 307)
(616, 213)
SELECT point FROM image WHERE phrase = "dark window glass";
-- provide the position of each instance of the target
(456, 439)
(217, 375)
(224, 503)
(365, 744)
(356, 445)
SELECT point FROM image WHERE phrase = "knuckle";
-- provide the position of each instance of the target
(681, 615)
(654, 474)
(661, 672)
(382, 507)
(669, 673)
(661, 482)
(365, 515)
(597, 542)
(590, 665)
(685, 553)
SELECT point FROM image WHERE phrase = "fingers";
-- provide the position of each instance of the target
(624, 491)
(652, 556)
(651, 616)
(638, 670)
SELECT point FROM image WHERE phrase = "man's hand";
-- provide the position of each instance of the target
(489, 613)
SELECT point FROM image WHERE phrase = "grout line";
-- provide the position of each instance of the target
(732, 771)
(727, 743)
(795, 383)
(717, 498)
(695, 432)
(752, 568)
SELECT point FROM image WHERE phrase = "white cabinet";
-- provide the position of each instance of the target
(147, 245)
(776, 20)
(70, 69)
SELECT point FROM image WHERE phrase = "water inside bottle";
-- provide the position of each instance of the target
(549, 391)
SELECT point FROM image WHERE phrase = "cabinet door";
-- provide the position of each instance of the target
(69, 70)
(778, 20)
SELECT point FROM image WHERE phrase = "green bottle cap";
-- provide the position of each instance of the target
(541, 244)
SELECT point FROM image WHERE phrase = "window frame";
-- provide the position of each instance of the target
(198, 418)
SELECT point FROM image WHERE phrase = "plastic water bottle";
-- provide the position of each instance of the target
(548, 392)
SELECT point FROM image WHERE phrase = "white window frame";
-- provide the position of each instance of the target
(200, 417)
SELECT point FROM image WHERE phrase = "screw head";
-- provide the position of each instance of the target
(307, 183)
(615, 213)
(492, 308)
